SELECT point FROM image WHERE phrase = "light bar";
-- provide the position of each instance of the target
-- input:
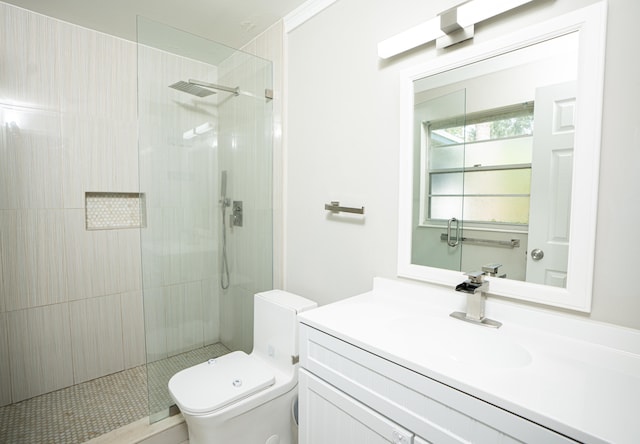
(447, 28)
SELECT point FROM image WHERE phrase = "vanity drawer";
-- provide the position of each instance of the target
(322, 406)
(422, 405)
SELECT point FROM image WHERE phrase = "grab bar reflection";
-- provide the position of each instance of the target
(512, 243)
(455, 241)
(335, 207)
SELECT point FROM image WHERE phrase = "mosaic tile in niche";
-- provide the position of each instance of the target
(104, 210)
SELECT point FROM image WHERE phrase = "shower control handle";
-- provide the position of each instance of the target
(236, 216)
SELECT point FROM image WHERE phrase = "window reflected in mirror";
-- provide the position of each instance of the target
(493, 182)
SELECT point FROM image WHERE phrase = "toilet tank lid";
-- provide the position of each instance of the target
(219, 382)
(288, 300)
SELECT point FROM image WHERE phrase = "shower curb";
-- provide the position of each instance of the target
(172, 430)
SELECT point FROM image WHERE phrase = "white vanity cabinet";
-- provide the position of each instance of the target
(350, 395)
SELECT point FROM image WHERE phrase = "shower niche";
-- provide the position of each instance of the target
(204, 143)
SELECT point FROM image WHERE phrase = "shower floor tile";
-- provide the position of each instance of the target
(84, 411)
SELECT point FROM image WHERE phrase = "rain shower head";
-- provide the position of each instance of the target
(204, 89)
(192, 89)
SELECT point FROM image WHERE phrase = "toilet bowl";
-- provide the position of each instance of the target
(247, 398)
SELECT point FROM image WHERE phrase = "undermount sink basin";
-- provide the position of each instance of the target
(465, 343)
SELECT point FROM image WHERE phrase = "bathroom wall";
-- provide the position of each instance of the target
(70, 300)
(342, 144)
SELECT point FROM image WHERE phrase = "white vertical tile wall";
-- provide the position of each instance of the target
(98, 75)
(98, 156)
(8, 254)
(39, 350)
(155, 321)
(230, 323)
(2, 279)
(236, 326)
(30, 71)
(121, 260)
(33, 262)
(83, 280)
(132, 313)
(68, 125)
(184, 317)
(31, 147)
(211, 306)
(96, 334)
(5, 369)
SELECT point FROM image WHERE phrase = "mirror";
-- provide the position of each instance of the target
(493, 163)
(500, 149)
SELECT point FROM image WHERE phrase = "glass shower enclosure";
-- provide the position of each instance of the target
(205, 161)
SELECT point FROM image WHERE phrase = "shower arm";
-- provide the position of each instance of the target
(235, 91)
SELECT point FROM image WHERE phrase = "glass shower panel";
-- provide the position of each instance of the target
(202, 111)
(245, 126)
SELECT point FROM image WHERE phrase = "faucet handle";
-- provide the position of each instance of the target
(475, 276)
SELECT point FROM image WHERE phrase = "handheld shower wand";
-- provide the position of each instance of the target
(224, 203)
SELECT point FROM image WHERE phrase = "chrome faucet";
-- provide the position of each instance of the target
(476, 289)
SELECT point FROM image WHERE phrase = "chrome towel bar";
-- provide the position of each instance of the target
(335, 207)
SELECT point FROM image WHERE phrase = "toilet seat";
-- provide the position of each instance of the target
(212, 385)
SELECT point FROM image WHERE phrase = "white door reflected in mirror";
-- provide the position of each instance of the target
(549, 215)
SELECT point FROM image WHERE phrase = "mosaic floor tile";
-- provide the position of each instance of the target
(84, 411)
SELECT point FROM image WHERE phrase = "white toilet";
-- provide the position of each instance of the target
(247, 398)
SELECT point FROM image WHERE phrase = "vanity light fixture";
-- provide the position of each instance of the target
(449, 27)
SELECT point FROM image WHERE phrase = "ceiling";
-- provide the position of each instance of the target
(231, 22)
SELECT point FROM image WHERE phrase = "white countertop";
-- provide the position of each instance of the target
(578, 377)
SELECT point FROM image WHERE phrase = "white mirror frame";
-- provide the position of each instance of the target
(590, 22)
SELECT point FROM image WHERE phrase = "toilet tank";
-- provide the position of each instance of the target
(275, 330)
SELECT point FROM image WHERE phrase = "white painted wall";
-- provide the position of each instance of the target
(342, 144)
